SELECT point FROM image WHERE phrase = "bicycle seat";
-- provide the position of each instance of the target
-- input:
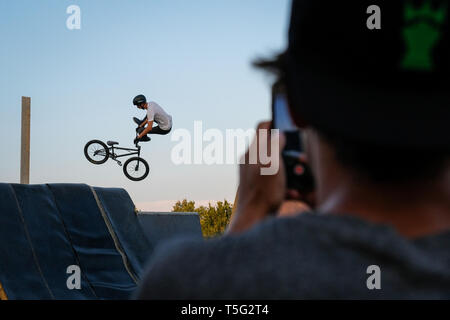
(111, 143)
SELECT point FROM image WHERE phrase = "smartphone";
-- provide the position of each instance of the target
(298, 174)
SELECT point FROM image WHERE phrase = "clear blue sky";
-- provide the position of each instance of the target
(192, 57)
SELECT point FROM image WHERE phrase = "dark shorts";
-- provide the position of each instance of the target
(156, 130)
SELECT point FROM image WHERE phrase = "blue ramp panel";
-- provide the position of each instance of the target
(20, 273)
(101, 254)
(50, 241)
(119, 209)
(44, 229)
(162, 226)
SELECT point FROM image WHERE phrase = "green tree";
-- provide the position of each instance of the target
(213, 219)
(184, 206)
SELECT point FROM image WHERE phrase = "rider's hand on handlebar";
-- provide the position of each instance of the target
(136, 140)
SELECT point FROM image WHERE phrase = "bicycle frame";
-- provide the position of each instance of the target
(114, 156)
(135, 168)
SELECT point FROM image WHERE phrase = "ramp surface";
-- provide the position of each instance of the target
(44, 229)
(162, 226)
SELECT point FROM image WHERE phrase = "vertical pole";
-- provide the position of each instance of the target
(25, 141)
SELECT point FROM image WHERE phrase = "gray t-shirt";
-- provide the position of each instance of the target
(157, 114)
(309, 256)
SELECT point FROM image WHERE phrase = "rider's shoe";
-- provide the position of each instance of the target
(145, 139)
(137, 121)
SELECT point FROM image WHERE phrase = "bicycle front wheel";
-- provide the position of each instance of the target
(96, 152)
(136, 169)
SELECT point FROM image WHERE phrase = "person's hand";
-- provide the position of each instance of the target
(292, 208)
(136, 140)
(306, 199)
(259, 195)
(137, 129)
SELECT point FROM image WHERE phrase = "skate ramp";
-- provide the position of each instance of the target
(163, 226)
(44, 229)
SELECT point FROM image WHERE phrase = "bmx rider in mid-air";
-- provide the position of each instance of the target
(154, 114)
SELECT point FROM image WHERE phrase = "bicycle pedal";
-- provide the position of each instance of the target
(119, 163)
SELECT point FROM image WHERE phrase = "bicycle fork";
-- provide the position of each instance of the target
(139, 155)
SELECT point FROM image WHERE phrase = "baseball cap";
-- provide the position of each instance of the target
(374, 71)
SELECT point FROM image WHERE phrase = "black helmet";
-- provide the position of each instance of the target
(138, 100)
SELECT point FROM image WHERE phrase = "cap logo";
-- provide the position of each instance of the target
(421, 34)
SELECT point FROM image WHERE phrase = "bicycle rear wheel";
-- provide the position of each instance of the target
(96, 152)
(136, 169)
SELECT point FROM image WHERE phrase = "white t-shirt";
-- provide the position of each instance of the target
(157, 114)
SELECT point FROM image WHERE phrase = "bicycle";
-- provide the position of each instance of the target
(135, 168)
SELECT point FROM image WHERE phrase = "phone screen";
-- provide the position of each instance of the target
(298, 173)
(281, 116)
(282, 120)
